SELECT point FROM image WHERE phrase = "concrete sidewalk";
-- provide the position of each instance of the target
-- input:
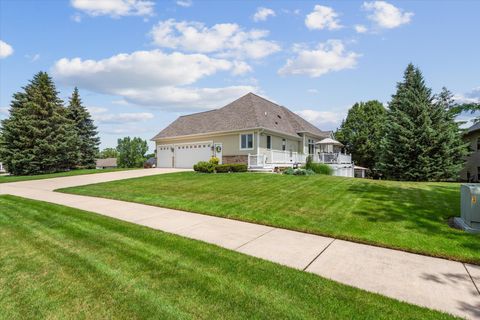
(435, 283)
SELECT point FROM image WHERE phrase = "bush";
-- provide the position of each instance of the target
(222, 168)
(299, 172)
(320, 168)
(309, 162)
(204, 166)
(238, 167)
(210, 167)
(214, 160)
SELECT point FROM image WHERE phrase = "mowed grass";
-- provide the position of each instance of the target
(410, 216)
(9, 178)
(58, 263)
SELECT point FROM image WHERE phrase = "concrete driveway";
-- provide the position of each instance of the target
(435, 283)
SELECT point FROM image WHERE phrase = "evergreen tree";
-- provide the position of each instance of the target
(362, 131)
(88, 140)
(37, 137)
(131, 152)
(422, 141)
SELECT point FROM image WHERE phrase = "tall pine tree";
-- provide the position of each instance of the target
(422, 142)
(88, 140)
(37, 137)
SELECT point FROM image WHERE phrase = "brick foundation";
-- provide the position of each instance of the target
(234, 159)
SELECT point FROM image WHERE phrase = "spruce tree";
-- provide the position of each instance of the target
(88, 140)
(422, 142)
(37, 137)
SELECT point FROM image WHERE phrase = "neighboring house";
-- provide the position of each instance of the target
(106, 163)
(250, 130)
(471, 169)
(2, 168)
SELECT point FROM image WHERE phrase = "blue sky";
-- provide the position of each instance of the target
(139, 64)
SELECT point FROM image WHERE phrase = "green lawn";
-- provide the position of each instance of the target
(7, 178)
(403, 215)
(57, 262)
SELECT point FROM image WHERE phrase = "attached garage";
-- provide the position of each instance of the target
(183, 155)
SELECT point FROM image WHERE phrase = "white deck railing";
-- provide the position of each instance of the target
(333, 158)
(256, 160)
(280, 157)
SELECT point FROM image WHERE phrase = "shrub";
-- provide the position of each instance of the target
(214, 160)
(221, 168)
(238, 167)
(309, 162)
(299, 172)
(204, 166)
(320, 168)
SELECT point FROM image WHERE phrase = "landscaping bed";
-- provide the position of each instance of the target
(60, 263)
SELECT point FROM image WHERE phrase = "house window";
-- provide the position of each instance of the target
(478, 173)
(311, 146)
(284, 144)
(478, 143)
(246, 141)
(269, 142)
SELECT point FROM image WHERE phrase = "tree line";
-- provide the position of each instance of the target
(42, 135)
(415, 138)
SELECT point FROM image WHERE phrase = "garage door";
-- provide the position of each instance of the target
(186, 155)
(165, 156)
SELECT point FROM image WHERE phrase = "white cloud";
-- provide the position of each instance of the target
(326, 57)
(123, 117)
(114, 8)
(5, 49)
(33, 58)
(76, 17)
(185, 3)
(226, 39)
(359, 28)
(473, 96)
(262, 14)
(172, 98)
(323, 119)
(386, 15)
(313, 91)
(153, 78)
(322, 17)
(4, 110)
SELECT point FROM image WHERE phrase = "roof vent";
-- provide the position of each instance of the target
(265, 113)
(279, 116)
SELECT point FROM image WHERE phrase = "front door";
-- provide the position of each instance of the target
(218, 151)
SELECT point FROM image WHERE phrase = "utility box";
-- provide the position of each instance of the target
(470, 208)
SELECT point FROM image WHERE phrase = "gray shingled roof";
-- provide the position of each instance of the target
(247, 112)
(473, 128)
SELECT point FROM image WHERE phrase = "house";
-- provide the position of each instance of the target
(471, 169)
(106, 163)
(2, 168)
(250, 130)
